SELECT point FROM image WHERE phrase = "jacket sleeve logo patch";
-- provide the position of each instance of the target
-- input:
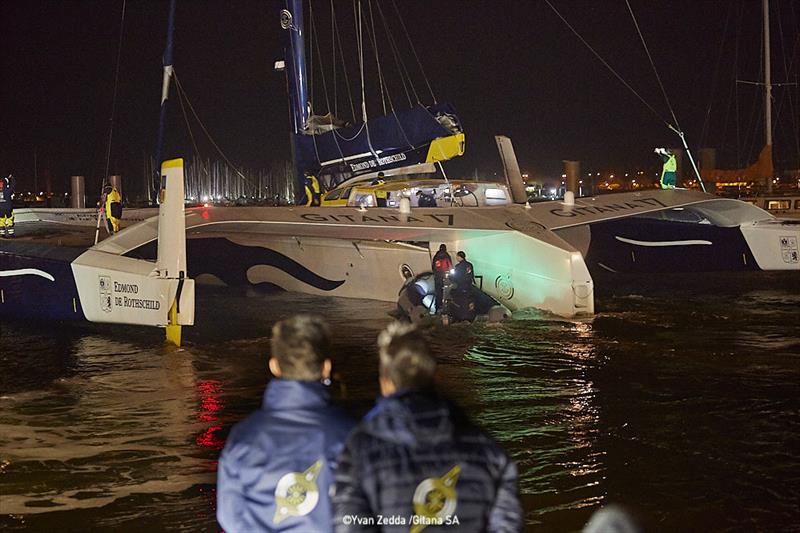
(297, 493)
(435, 499)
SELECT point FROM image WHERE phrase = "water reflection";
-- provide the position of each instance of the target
(677, 404)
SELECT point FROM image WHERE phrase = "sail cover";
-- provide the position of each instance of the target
(396, 140)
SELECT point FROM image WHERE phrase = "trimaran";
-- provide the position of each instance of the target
(528, 255)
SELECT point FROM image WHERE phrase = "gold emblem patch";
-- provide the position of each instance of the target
(297, 493)
(435, 499)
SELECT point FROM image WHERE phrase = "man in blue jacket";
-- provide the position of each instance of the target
(276, 469)
(415, 462)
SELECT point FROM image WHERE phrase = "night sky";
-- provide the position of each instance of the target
(509, 67)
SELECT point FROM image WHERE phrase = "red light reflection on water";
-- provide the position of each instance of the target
(210, 405)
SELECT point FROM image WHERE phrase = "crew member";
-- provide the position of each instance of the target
(441, 265)
(313, 191)
(426, 199)
(669, 174)
(7, 185)
(417, 459)
(277, 466)
(113, 208)
(463, 293)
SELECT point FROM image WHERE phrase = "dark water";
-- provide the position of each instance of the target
(680, 399)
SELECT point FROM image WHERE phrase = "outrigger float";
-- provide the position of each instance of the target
(40, 281)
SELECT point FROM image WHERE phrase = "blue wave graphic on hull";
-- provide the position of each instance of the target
(230, 262)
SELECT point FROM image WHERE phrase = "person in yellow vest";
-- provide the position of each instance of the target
(669, 174)
(313, 192)
(113, 208)
(6, 207)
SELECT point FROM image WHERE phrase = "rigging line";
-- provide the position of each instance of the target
(736, 88)
(380, 76)
(114, 98)
(397, 58)
(604, 62)
(388, 94)
(325, 87)
(311, 62)
(371, 31)
(787, 95)
(414, 50)
(707, 118)
(181, 97)
(344, 68)
(333, 61)
(677, 127)
(652, 64)
(211, 139)
(319, 54)
(758, 108)
(359, 40)
(348, 139)
(361, 64)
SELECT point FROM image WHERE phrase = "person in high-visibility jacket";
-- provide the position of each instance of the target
(669, 174)
(313, 192)
(113, 208)
(6, 208)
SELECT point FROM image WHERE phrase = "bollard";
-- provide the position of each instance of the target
(77, 199)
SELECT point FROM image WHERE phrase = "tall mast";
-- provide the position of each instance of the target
(767, 77)
(297, 84)
(167, 62)
(292, 22)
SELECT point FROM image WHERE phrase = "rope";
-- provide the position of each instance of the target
(114, 99)
(653, 65)
(311, 63)
(181, 97)
(344, 65)
(111, 123)
(319, 53)
(414, 50)
(325, 88)
(707, 118)
(787, 68)
(333, 62)
(378, 60)
(360, 41)
(604, 62)
(676, 128)
(211, 139)
(401, 67)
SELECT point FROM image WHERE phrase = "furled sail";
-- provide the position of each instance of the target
(422, 134)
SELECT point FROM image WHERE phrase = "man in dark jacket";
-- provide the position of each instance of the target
(441, 266)
(462, 295)
(415, 462)
(276, 469)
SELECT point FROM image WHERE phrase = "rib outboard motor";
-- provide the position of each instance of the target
(416, 302)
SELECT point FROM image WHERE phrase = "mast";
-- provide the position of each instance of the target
(167, 62)
(767, 77)
(295, 60)
(292, 21)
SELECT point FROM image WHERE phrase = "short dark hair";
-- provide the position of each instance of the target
(301, 344)
(462, 255)
(405, 357)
